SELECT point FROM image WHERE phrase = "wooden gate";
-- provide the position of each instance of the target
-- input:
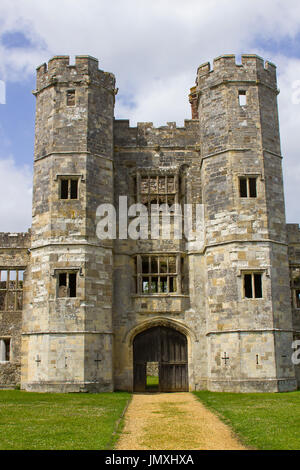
(166, 346)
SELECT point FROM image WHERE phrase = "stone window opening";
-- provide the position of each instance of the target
(157, 189)
(248, 187)
(69, 188)
(4, 349)
(159, 274)
(242, 98)
(297, 298)
(67, 284)
(133, 191)
(70, 97)
(11, 289)
(295, 284)
(252, 285)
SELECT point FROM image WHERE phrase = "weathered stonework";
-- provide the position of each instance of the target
(14, 253)
(85, 342)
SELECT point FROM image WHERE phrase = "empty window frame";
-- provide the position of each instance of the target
(248, 186)
(159, 274)
(70, 97)
(157, 189)
(297, 298)
(242, 98)
(252, 284)
(133, 190)
(11, 289)
(295, 283)
(4, 349)
(69, 188)
(67, 284)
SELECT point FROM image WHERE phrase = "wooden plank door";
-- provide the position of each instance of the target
(139, 377)
(168, 347)
(174, 361)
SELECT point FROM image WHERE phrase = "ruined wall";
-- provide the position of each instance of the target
(14, 253)
(293, 237)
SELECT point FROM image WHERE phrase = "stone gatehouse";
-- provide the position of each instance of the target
(79, 313)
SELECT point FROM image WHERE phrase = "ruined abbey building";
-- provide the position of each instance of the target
(78, 313)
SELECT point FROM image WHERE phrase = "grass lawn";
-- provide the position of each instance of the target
(268, 421)
(59, 421)
(152, 383)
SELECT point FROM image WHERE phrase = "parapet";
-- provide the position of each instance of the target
(146, 135)
(293, 233)
(15, 240)
(85, 70)
(225, 69)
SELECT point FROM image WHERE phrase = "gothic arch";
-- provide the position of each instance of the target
(159, 321)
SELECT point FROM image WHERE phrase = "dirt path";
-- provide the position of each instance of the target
(173, 421)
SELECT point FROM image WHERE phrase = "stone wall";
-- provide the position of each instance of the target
(14, 253)
(293, 236)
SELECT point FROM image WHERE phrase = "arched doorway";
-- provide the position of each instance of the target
(166, 347)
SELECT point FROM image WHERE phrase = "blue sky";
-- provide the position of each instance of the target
(154, 49)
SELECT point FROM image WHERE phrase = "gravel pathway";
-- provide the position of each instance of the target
(173, 421)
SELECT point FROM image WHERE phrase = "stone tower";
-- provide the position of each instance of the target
(248, 308)
(67, 321)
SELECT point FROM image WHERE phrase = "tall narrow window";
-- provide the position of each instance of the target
(4, 349)
(71, 98)
(253, 285)
(72, 284)
(248, 186)
(257, 286)
(67, 284)
(295, 283)
(64, 189)
(252, 187)
(74, 189)
(297, 298)
(243, 187)
(248, 286)
(242, 98)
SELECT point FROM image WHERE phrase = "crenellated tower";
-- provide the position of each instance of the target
(67, 324)
(248, 307)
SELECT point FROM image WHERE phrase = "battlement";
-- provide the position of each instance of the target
(226, 69)
(85, 70)
(145, 134)
(293, 233)
(15, 240)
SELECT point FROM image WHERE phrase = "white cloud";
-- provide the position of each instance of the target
(15, 196)
(289, 117)
(154, 49)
